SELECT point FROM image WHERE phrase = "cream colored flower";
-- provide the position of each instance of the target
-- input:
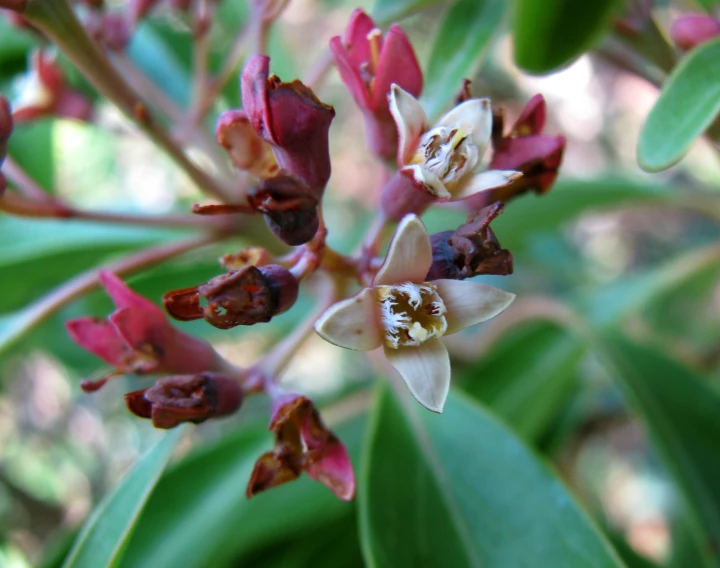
(407, 316)
(445, 159)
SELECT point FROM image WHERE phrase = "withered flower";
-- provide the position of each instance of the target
(186, 398)
(289, 207)
(471, 250)
(292, 119)
(242, 297)
(302, 443)
(526, 149)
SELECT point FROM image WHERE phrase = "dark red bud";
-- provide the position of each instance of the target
(6, 126)
(471, 250)
(289, 206)
(186, 398)
(243, 297)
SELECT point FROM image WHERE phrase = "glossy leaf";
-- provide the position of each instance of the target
(550, 34)
(527, 376)
(681, 412)
(199, 515)
(461, 41)
(459, 489)
(688, 104)
(102, 539)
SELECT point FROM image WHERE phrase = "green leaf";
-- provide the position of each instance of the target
(199, 516)
(458, 48)
(688, 104)
(550, 34)
(527, 376)
(681, 412)
(387, 11)
(102, 539)
(460, 489)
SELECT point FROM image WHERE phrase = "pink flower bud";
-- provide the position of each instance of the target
(302, 443)
(50, 95)
(694, 29)
(291, 118)
(242, 297)
(470, 250)
(369, 64)
(186, 398)
(137, 337)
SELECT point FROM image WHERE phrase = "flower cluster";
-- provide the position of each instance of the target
(403, 304)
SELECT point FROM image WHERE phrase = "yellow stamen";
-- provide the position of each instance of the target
(374, 38)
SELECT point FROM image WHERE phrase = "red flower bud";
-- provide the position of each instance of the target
(524, 149)
(470, 250)
(694, 29)
(6, 128)
(302, 443)
(291, 118)
(186, 398)
(368, 65)
(243, 297)
(137, 337)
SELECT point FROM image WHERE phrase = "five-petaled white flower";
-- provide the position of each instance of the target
(407, 316)
(445, 159)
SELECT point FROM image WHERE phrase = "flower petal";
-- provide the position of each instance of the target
(397, 64)
(474, 116)
(425, 370)
(425, 178)
(409, 256)
(410, 119)
(352, 323)
(483, 181)
(356, 41)
(468, 303)
(124, 297)
(350, 73)
(334, 470)
(100, 338)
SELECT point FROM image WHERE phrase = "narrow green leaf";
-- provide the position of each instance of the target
(102, 539)
(527, 376)
(199, 516)
(681, 412)
(459, 489)
(388, 11)
(462, 39)
(688, 104)
(550, 34)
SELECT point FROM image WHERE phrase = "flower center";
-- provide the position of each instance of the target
(411, 313)
(447, 152)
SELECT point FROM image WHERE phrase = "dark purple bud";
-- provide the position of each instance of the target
(289, 207)
(471, 250)
(243, 297)
(292, 119)
(6, 126)
(186, 398)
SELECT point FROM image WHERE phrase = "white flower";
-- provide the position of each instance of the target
(445, 159)
(407, 316)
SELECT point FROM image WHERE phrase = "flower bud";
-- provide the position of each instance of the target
(471, 250)
(403, 195)
(186, 398)
(15, 5)
(292, 119)
(243, 297)
(694, 29)
(247, 151)
(6, 127)
(289, 207)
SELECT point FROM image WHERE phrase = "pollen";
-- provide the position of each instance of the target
(411, 313)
